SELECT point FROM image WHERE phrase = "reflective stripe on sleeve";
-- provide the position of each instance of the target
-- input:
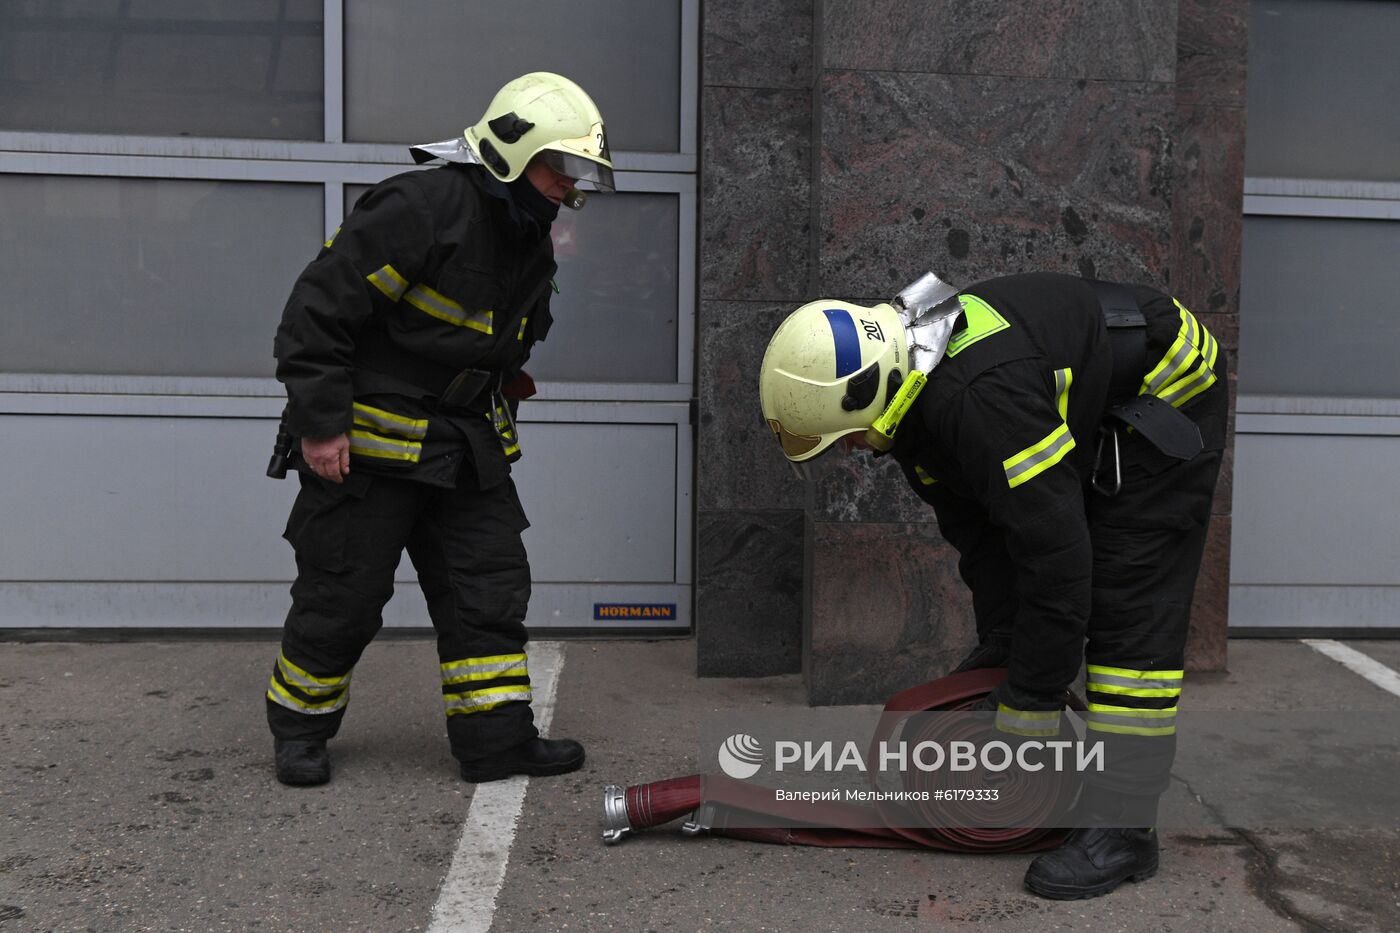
(923, 476)
(1027, 722)
(1063, 379)
(443, 308)
(388, 281)
(386, 422)
(366, 444)
(1197, 380)
(1188, 368)
(1177, 358)
(1038, 457)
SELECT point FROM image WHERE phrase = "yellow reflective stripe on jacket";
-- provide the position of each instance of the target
(1064, 378)
(1027, 722)
(1038, 457)
(520, 334)
(982, 321)
(1128, 720)
(476, 701)
(386, 422)
(1197, 380)
(487, 668)
(366, 444)
(332, 239)
(1128, 682)
(924, 477)
(1188, 367)
(443, 308)
(388, 281)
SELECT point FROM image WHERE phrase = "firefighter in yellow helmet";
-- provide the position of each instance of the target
(1068, 434)
(402, 350)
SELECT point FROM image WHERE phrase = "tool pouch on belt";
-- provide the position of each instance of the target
(480, 390)
(465, 388)
(1162, 426)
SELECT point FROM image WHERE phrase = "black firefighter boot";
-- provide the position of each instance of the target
(302, 761)
(538, 757)
(1101, 854)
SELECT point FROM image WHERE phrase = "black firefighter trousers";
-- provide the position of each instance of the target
(466, 549)
(1148, 542)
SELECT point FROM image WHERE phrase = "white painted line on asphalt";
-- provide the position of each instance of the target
(1363, 664)
(467, 900)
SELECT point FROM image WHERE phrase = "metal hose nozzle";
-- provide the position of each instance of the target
(643, 806)
(615, 824)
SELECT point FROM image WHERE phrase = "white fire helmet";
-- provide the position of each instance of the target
(830, 370)
(547, 115)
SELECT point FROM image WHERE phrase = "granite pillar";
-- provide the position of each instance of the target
(1207, 230)
(755, 261)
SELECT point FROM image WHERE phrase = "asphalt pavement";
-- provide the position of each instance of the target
(136, 793)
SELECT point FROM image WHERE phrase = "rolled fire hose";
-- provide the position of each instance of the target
(715, 799)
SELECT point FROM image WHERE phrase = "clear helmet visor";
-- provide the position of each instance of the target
(583, 158)
(579, 168)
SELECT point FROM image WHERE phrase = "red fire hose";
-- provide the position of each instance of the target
(716, 800)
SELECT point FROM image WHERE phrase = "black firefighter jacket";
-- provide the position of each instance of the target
(1001, 442)
(432, 274)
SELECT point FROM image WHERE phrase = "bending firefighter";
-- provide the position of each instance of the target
(1068, 434)
(401, 348)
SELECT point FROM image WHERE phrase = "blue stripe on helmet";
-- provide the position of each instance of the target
(843, 331)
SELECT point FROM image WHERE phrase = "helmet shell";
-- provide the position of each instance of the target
(543, 112)
(826, 373)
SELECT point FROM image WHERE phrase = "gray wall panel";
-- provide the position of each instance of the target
(1306, 512)
(143, 499)
(1310, 607)
(601, 500)
(185, 499)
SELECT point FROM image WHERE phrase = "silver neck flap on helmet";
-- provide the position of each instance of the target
(929, 308)
(449, 150)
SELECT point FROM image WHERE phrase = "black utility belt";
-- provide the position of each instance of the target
(472, 389)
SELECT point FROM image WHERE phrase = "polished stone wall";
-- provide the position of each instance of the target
(847, 147)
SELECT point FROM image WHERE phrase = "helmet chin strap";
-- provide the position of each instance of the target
(929, 309)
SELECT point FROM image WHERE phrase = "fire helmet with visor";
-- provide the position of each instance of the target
(829, 371)
(543, 115)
